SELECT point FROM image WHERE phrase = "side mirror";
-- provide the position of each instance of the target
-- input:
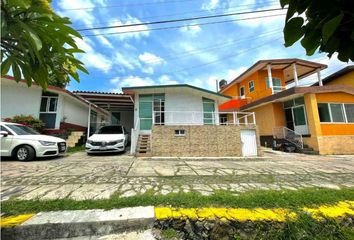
(4, 133)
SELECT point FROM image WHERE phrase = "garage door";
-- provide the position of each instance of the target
(249, 143)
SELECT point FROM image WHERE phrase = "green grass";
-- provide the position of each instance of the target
(265, 199)
(76, 149)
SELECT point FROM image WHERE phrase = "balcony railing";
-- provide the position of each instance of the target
(203, 118)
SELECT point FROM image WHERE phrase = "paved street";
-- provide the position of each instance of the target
(79, 177)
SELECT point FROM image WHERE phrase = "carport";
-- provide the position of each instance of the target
(120, 107)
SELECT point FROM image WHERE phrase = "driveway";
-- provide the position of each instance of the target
(78, 176)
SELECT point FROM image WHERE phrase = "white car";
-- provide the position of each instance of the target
(25, 144)
(112, 138)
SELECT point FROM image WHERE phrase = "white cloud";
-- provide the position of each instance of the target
(128, 32)
(86, 16)
(121, 60)
(90, 58)
(136, 81)
(166, 80)
(150, 58)
(149, 70)
(232, 74)
(192, 30)
(210, 5)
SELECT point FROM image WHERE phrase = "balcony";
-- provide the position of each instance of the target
(203, 118)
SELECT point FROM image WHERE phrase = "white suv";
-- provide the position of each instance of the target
(25, 144)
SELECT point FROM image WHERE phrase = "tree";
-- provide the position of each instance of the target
(328, 26)
(38, 44)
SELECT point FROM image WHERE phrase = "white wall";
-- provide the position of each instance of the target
(74, 111)
(187, 102)
(127, 119)
(17, 98)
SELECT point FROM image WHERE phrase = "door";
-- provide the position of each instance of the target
(300, 123)
(249, 143)
(6, 142)
(115, 118)
(289, 118)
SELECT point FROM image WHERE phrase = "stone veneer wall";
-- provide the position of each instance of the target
(199, 141)
(339, 144)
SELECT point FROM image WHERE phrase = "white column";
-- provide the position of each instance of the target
(270, 78)
(295, 75)
(89, 121)
(320, 83)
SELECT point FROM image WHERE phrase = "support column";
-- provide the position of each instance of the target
(270, 78)
(295, 75)
(320, 83)
(89, 121)
(313, 121)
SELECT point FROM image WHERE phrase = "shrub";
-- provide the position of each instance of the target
(27, 120)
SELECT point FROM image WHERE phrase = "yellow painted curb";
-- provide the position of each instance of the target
(338, 210)
(12, 221)
(332, 211)
(225, 214)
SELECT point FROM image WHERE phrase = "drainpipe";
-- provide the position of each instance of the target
(89, 121)
(270, 78)
(319, 77)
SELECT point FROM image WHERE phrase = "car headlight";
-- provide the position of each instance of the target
(46, 143)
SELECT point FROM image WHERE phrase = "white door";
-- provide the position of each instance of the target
(249, 143)
(300, 121)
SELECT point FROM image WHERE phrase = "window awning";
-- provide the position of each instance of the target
(232, 105)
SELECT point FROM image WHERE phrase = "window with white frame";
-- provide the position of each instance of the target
(49, 104)
(180, 132)
(336, 112)
(251, 86)
(242, 92)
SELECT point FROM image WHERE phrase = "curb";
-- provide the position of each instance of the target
(64, 224)
(81, 223)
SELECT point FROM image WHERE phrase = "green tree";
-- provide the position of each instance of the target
(328, 25)
(37, 44)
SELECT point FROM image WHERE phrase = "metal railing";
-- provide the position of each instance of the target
(134, 137)
(289, 135)
(203, 118)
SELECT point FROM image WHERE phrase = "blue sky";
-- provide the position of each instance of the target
(196, 55)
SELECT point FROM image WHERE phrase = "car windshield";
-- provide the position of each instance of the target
(110, 130)
(22, 130)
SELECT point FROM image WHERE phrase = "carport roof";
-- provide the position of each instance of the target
(109, 101)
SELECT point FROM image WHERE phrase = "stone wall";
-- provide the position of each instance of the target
(199, 141)
(336, 144)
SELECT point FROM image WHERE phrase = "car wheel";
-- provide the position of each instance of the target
(25, 153)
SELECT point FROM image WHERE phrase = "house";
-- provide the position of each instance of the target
(58, 108)
(318, 117)
(183, 120)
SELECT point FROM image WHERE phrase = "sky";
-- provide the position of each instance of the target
(190, 52)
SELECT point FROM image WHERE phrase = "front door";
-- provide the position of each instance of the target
(249, 143)
(300, 123)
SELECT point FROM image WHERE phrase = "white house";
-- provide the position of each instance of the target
(58, 108)
(183, 120)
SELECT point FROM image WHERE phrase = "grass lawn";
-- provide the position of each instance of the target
(265, 199)
(76, 149)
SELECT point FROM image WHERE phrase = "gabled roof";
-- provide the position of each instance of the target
(337, 74)
(304, 69)
(129, 90)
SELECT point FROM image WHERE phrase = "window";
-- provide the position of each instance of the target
(242, 91)
(251, 86)
(180, 132)
(323, 111)
(49, 104)
(336, 112)
(276, 84)
(110, 130)
(208, 111)
(294, 102)
(349, 111)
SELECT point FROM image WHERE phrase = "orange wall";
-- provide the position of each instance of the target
(347, 79)
(269, 116)
(260, 86)
(334, 128)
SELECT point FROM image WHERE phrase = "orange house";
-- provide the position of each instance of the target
(315, 119)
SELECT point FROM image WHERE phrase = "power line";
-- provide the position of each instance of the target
(181, 26)
(181, 19)
(126, 5)
(239, 7)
